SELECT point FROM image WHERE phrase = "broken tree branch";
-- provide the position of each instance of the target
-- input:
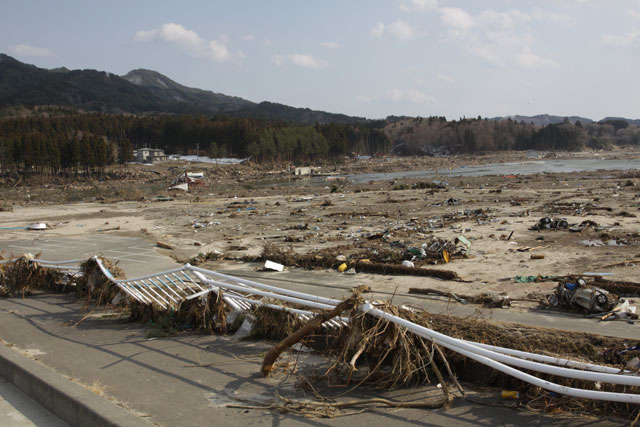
(275, 351)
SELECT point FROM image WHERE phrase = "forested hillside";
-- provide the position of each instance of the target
(142, 92)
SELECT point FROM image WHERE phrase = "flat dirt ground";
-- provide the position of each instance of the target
(239, 210)
(239, 214)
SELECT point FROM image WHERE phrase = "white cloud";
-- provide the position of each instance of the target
(626, 40)
(248, 37)
(26, 50)
(299, 60)
(529, 60)
(418, 5)
(458, 20)
(445, 78)
(409, 95)
(330, 45)
(500, 38)
(554, 17)
(219, 51)
(144, 36)
(378, 30)
(400, 29)
(170, 32)
(190, 41)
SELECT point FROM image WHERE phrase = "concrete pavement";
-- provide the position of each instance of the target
(19, 410)
(189, 380)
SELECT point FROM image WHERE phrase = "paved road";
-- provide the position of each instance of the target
(188, 380)
(136, 256)
(19, 410)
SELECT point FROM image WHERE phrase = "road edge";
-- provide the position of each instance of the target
(71, 402)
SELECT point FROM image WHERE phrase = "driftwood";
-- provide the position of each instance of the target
(275, 351)
(164, 245)
(381, 268)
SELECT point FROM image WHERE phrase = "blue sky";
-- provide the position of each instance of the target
(362, 57)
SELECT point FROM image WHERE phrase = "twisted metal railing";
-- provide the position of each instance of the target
(169, 288)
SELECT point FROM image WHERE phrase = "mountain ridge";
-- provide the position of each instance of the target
(137, 92)
(143, 91)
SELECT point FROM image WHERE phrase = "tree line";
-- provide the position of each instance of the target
(436, 135)
(58, 141)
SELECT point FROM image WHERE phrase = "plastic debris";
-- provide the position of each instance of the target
(508, 394)
(531, 279)
(342, 267)
(464, 241)
(270, 265)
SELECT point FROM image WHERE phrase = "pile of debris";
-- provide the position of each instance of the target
(548, 223)
(96, 288)
(437, 250)
(23, 275)
(578, 296)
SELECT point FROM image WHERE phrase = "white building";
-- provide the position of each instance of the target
(149, 155)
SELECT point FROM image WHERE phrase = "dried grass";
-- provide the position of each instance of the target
(94, 287)
(23, 276)
(206, 314)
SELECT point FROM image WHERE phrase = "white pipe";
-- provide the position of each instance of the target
(549, 359)
(268, 294)
(58, 266)
(289, 309)
(301, 295)
(68, 261)
(469, 351)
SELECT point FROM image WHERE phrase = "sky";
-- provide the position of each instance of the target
(368, 58)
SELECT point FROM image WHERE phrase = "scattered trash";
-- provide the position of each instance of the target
(244, 330)
(270, 265)
(622, 311)
(180, 187)
(532, 279)
(464, 241)
(547, 223)
(36, 226)
(342, 267)
(537, 256)
(406, 263)
(508, 394)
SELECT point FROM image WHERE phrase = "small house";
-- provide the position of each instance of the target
(149, 155)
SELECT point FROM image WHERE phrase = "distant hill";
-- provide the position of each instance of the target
(138, 92)
(171, 92)
(545, 119)
(630, 121)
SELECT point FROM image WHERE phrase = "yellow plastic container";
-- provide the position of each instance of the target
(507, 394)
